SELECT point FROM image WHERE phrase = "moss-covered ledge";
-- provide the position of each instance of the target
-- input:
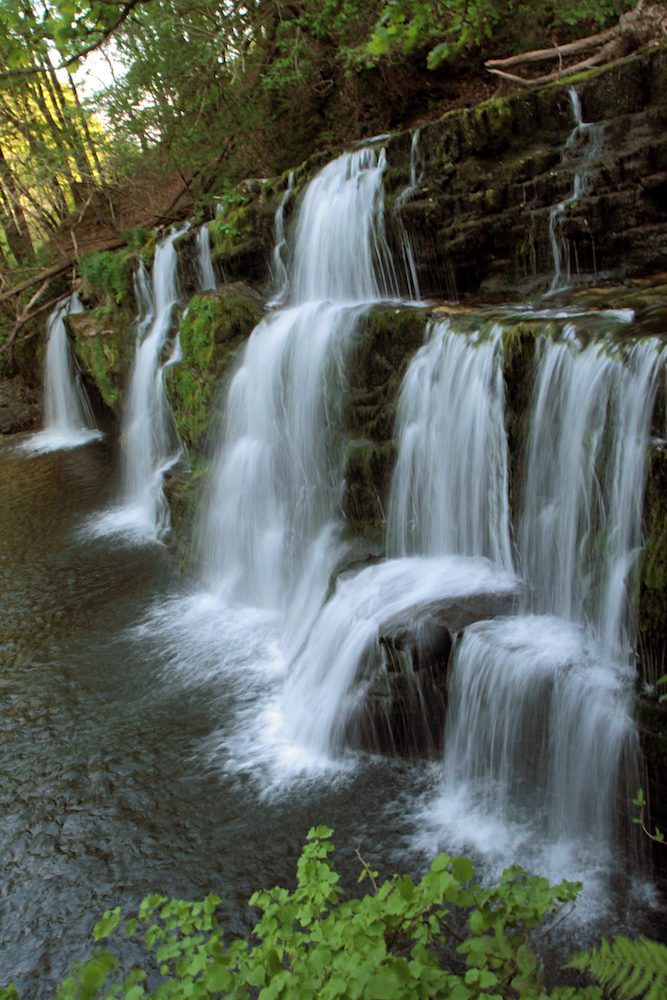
(385, 340)
(216, 324)
(104, 341)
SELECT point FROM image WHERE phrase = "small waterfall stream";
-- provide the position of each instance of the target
(148, 434)
(449, 491)
(205, 272)
(585, 143)
(68, 418)
(540, 712)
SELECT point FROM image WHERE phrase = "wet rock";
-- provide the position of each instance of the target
(20, 408)
(406, 702)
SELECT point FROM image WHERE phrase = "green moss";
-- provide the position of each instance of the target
(109, 273)
(184, 493)
(215, 326)
(104, 348)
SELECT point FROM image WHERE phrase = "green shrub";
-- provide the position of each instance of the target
(444, 938)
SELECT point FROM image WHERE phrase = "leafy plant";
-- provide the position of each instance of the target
(443, 938)
(640, 802)
(400, 941)
(628, 968)
(109, 272)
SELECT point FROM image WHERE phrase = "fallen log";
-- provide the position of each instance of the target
(645, 25)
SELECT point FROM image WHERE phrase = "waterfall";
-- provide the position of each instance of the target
(448, 502)
(148, 435)
(580, 523)
(268, 538)
(278, 269)
(449, 490)
(205, 272)
(341, 252)
(540, 713)
(416, 180)
(69, 421)
(588, 137)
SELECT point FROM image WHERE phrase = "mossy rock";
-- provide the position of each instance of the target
(385, 341)
(104, 344)
(215, 326)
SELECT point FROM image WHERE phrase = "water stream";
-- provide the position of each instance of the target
(584, 146)
(149, 441)
(205, 273)
(68, 418)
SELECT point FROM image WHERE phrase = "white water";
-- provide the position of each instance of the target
(279, 274)
(580, 524)
(342, 656)
(68, 418)
(540, 714)
(205, 272)
(340, 250)
(148, 435)
(268, 537)
(584, 142)
(449, 490)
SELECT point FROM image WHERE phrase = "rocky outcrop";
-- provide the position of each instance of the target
(20, 407)
(492, 174)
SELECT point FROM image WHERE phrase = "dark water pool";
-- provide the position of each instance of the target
(109, 786)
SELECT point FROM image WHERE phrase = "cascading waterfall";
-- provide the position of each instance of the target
(448, 501)
(205, 273)
(268, 537)
(585, 141)
(540, 715)
(580, 524)
(449, 490)
(148, 435)
(69, 420)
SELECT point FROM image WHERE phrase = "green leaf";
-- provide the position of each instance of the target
(462, 870)
(107, 924)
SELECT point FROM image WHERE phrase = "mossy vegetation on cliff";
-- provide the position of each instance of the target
(104, 345)
(215, 326)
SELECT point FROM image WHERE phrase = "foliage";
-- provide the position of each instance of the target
(70, 27)
(403, 941)
(397, 942)
(640, 802)
(109, 272)
(628, 968)
(462, 24)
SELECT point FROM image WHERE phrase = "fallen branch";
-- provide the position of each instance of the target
(646, 24)
(53, 272)
(25, 316)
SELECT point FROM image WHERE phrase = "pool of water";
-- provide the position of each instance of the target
(126, 699)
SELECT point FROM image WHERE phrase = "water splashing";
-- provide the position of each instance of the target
(69, 420)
